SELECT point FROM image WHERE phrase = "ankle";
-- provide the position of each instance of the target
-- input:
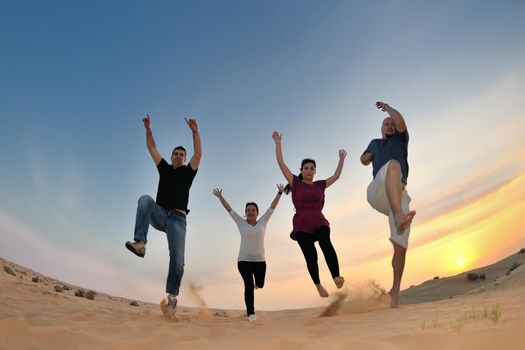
(397, 212)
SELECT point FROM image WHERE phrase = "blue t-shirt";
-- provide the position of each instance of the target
(392, 148)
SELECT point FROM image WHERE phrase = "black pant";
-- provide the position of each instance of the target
(306, 242)
(250, 270)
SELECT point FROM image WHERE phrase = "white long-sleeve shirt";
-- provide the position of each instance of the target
(252, 236)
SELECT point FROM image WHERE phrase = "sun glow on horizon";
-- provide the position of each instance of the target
(476, 234)
(470, 236)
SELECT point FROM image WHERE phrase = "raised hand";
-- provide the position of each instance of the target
(277, 137)
(217, 192)
(275, 201)
(279, 154)
(338, 170)
(146, 121)
(192, 124)
(381, 105)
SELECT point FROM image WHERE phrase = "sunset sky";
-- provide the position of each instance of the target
(77, 77)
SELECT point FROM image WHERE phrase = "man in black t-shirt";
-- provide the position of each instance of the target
(168, 212)
(387, 193)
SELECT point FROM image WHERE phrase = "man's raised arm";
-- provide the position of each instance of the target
(150, 141)
(197, 144)
(398, 118)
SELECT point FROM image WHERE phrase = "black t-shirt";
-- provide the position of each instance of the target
(174, 186)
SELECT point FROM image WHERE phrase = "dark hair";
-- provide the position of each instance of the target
(252, 203)
(179, 147)
(288, 188)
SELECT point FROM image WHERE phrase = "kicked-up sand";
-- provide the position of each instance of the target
(450, 313)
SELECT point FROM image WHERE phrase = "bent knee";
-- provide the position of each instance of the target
(145, 200)
(394, 165)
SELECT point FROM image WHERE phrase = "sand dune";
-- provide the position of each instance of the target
(481, 315)
(448, 287)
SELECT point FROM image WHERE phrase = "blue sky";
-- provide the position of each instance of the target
(77, 77)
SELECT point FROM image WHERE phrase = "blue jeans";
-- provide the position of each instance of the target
(149, 212)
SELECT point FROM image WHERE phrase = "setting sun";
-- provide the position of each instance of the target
(460, 263)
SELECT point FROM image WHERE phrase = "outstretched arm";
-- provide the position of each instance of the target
(150, 141)
(275, 201)
(197, 144)
(218, 193)
(398, 118)
(338, 170)
(279, 153)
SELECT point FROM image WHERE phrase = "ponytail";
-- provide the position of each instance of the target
(288, 188)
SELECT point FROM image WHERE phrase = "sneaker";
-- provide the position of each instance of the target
(172, 304)
(252, 317)
(169, 309)
(138, 248)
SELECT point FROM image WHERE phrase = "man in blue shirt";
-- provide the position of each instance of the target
(387, 193)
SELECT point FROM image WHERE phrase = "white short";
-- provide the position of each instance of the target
(377, 197)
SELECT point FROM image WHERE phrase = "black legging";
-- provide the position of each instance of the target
(250, 270)
(306, 242)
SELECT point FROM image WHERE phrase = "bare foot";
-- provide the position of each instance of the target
(322, 292)
(394, 302)
(339, 281)
(404, 221)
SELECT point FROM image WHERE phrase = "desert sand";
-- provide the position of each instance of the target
(447, 313)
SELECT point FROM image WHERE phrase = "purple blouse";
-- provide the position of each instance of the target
(308, 200)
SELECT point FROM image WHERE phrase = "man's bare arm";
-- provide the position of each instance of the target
(398, 118)
(150, 141)
(366, 158)
(195, 160)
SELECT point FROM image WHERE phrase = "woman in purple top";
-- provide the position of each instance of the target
(309, 223)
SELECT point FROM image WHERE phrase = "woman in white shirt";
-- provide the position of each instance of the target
(251, 261)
